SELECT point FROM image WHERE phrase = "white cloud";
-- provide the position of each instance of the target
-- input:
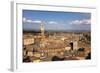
(37, 21)
(31, 21)
(24, 19)
(52, 22)
(81, 22)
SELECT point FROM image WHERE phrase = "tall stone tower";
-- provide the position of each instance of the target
(42, 35)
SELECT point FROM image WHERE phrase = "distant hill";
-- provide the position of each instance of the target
(38, 31)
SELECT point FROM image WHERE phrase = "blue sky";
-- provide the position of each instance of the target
(53, 20)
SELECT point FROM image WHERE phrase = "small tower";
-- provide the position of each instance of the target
(75, 45)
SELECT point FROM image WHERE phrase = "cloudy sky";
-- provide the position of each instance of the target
(52, 20)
